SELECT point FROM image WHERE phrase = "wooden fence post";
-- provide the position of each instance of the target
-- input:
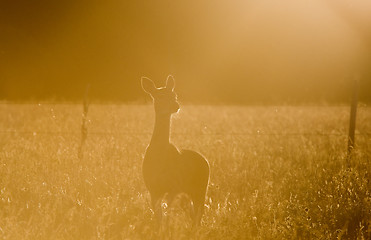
(352, 121)
(84, 129)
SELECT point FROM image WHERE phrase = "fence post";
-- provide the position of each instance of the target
(352, 121)
(84, 129)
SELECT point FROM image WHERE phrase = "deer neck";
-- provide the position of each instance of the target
(161, 131)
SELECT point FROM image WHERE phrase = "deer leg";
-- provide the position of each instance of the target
(170, 199)
(198, 208)
(156, 206)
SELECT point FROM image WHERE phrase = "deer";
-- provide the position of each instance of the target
(168, 171)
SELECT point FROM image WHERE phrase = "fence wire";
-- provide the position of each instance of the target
(185, 133)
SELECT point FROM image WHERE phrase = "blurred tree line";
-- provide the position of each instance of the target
(236, 52)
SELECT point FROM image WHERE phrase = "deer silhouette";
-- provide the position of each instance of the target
(168, 171)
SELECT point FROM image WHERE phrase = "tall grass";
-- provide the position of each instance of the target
(276, 173)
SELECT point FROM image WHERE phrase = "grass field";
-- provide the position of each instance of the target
(276, 173)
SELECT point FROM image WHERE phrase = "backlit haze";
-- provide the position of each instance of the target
(244, 52)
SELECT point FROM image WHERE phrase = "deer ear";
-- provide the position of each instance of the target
(148, 85)
(170, 83)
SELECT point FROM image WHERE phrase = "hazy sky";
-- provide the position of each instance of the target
(239, 49)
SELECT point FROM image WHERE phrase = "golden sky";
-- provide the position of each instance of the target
(240, 50)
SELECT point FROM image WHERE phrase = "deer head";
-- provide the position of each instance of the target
(164, 98)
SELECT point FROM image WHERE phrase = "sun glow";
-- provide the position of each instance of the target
(299, 50)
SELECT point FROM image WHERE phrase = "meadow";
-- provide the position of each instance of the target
(277, 172)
